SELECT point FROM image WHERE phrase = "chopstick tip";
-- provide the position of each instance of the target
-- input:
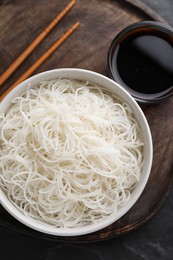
(77, 23)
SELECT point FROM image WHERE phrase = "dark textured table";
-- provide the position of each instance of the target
(153, 240)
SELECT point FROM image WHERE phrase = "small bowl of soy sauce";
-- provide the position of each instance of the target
(140, 59)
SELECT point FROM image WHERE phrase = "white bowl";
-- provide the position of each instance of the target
(148, 148)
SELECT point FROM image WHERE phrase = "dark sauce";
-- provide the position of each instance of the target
(144, 62)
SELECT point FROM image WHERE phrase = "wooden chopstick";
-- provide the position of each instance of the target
(28, 72)
(35, 43)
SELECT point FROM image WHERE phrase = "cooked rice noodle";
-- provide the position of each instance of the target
(71, 154)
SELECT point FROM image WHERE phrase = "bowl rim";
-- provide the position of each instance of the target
(100, 79)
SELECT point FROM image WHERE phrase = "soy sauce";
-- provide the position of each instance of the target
(144, 62)
(140, 59)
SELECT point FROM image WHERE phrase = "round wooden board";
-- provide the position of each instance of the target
(100, 21)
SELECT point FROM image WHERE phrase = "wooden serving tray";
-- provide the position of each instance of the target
(100, 21)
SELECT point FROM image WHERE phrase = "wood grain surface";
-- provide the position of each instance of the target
(100, 21)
